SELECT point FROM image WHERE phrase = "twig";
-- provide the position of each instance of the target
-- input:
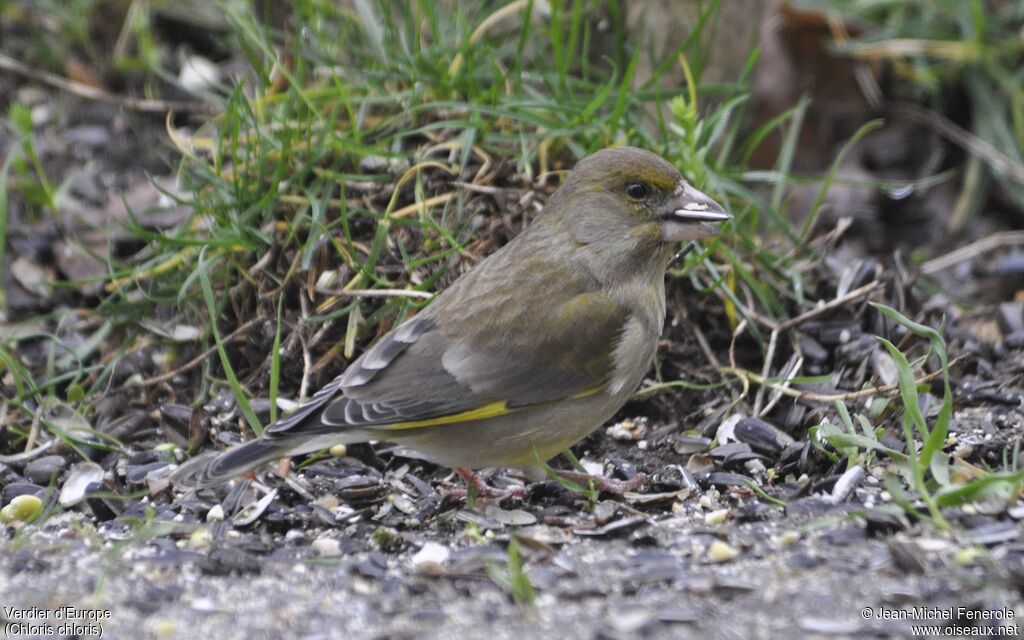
(994, 241)
(774, 325)
(749, 376)
(320, 333)
(307, 358)
(33, 432)
(740, 328)
(828, 306)
(28, 455)
(485, 189)
(417, 207)
(262, 263)
(788, 375)
(769, 356)
(92, 93)
(375, 293)
(682, 253)
(702, 341)
(737, 332)
(201, 358)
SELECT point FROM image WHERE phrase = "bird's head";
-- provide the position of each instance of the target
(638, 192)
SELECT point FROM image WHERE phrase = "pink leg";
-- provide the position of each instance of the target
(601, 483)
(483, 489)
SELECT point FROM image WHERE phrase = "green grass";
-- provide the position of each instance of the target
(274, 172)
(936, 479)
(512, 577)
(32, 181)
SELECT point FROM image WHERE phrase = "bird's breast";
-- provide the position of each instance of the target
(632, 356)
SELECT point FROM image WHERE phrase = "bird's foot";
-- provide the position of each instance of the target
(481, 489)
(604, 483)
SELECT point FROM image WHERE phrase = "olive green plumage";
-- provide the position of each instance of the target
(527, 353)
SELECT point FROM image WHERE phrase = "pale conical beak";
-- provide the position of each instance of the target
(690, 214)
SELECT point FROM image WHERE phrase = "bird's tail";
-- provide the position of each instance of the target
(211, 469)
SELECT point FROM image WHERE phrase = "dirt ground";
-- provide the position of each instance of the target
(648, 579)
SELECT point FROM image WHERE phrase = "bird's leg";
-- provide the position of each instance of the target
(604, 483)
(483, 489)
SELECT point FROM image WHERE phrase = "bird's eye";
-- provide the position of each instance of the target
(637, 190)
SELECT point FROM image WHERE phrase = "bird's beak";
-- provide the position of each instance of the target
(689, 214)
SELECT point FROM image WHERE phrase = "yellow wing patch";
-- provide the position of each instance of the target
(492, 410)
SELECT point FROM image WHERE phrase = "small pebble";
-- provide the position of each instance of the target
(789, 537)
(1010, 317)
(164, 628)
(200, 539)
(338, 451)
(15, 489)
(327, 547)
(215, 514)
(715, 518)
(719, 551)
(1014, 340)
(628, 429)
(43, 470)
(631, 620)
(23, 508)
(966, 556)
(198, 73)
(387, 538)
(431, 557)
(328, 501)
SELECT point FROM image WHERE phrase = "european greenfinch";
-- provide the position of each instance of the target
(528, 352)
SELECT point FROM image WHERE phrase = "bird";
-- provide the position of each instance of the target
(526, 353)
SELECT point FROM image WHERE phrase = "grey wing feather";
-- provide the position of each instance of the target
(305, 418)
(412, 385)
(384, 352)
(307, 410)
(418, 372)
(416, 387)
(440, 376)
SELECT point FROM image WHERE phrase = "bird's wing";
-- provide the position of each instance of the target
(441, 367)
